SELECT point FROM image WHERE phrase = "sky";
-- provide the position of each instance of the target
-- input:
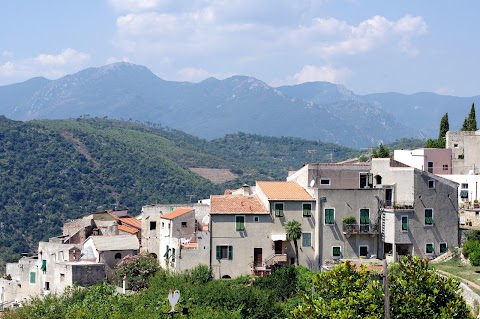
(369, 46)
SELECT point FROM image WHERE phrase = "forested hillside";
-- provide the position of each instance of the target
(52, 171)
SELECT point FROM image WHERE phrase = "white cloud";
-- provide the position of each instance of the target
(68, 56)
(48, 65)
(112, 59)
(135, 5)
(7, 54)
(192, 74)
(312, 73)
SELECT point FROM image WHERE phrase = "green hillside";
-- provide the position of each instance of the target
(55, 170)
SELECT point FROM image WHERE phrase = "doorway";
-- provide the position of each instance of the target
(257, 256)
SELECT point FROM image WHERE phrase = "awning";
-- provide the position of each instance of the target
(275, 237)
(464, 193)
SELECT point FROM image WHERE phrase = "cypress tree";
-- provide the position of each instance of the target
(470, 122)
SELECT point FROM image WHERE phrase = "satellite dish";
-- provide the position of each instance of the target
(206, 220)
(312, 183)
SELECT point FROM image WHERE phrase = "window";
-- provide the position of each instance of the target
(378, 179)
(363, 251)
(329, 216)
(366, 180)
(428, 216)
(307, 209)
(173, 255)
(324, 182)
(455, 145)
(47, 285)
(306, 239)
(184, 224)
(278, 207)
(62, 277)
(431, 184)
(163, 225)
(464, 193)
(153, 225)
(404, 223)
(465, 185)
(224, 252)
(256, 219)
(443, 247)
(44, 266)
(445, 167)
(336, 252)
(118, 256)
(430, 167)
(365, 219)
(429, 248)
(32, 277)
(239, 223)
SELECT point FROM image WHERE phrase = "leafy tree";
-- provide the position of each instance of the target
(470, 122)
(416, 291)
(294, 232)
(137, 270)
(382, 152)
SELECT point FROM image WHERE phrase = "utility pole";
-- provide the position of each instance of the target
(385, 289)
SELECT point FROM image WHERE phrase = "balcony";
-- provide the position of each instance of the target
(402, 206)
(360, 229)
(276, 259)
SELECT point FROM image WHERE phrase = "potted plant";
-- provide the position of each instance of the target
(350, 222)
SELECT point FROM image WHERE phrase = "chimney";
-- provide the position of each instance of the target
(246, 190)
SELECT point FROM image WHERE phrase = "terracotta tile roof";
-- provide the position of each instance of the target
(179, 211)
(232, 204)
(128, 229)
(284, 191)
(394, 163)
(129, 220)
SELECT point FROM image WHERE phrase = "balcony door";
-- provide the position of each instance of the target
(257, 256)
(278, 247)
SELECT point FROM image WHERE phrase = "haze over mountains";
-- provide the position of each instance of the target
(213, 108)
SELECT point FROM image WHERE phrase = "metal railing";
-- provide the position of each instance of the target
(402, 205)
(362, 228)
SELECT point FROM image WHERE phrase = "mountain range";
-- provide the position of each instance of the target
(212, 108)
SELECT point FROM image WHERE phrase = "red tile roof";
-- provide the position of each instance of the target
(129, 220)
(284, 191)
(128, 229)
(232, 204)
(179, 211)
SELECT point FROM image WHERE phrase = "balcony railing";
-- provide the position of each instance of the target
(275, 259)
(368, 228)
(405, 205)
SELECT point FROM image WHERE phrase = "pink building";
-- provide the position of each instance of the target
(433, 160)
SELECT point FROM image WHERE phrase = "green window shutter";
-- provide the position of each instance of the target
(443, 247)
(278, 210)
(230, 252)
(336, 251)
(430, 248)
(44, 265)
(219, 255)
(428, 216)
(166, 253)
(364, 216)
(307, 210)
(173, 254)
(239, 223)
(329, 216)
(404, 223)
(306, 239)
(32, 277)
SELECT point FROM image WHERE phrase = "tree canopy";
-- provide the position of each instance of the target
(470, 122)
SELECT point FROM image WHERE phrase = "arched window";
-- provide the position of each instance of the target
(226, 277)
(118, 256)
(378, 179)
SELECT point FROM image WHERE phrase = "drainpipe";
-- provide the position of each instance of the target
(319, 231)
